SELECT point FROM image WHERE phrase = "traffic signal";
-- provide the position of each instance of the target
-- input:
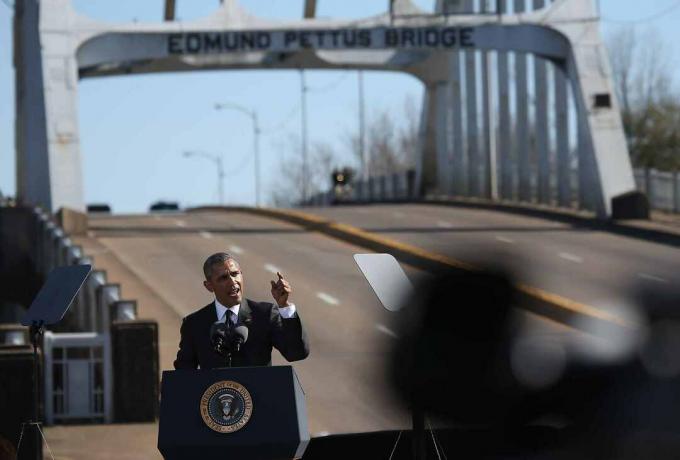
(342, 176)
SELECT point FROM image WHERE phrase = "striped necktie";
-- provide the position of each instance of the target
(230, 319)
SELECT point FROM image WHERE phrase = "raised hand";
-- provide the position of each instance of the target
(281, 290)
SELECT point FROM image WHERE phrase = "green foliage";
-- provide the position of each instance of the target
(650, 101)
(653, 133)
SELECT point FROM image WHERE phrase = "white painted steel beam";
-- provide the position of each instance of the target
(442, 136)
(55, 46)
(457, 149)
(562, 138)
(541, 133)
(505, 138)
(310, 9)
(522, 118)
(169, 10)
(488, 147)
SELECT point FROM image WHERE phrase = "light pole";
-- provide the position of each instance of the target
(220, 169)
(362, 133)
(256, 141)
(305, 169)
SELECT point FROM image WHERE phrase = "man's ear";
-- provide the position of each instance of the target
(208, 285)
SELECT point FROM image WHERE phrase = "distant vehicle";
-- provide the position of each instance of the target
(342, 184)
(164, 206)
(99, 207)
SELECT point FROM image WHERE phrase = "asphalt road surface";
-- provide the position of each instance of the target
(351, 335)
(350, 332)
(592, 267)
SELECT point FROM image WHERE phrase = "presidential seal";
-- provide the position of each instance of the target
(226, 406)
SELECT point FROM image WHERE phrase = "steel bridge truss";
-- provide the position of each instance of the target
(492, 126)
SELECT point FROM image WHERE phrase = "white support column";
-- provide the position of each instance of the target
(562, 138)
(603, 140)
(442, 133)
(488, 150)
(33, 167)
(472, 128)
(458, 167)
(48, 152)
(541, 123)
(504, 122)
(426, 170)
(585, 167)
(522, 118)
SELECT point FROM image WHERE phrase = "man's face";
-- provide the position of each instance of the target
(226, 282)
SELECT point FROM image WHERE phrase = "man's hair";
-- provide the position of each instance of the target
(217, 258)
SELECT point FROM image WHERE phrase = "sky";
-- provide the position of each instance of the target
(134, 129)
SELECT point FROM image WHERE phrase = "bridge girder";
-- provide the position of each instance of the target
(76, 47)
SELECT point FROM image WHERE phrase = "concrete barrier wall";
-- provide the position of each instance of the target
(71, 221)
(31, 245)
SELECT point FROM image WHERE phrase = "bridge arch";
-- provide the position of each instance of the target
(56, 47)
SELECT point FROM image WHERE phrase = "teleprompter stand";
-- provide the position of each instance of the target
(49, 307)
(392, 288)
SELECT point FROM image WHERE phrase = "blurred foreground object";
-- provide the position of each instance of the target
(464, 358)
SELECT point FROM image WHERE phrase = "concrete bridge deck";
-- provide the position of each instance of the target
(157, 260)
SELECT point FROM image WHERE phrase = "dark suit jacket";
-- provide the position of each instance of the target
(266, 329)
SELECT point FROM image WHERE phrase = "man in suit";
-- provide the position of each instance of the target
(269, 325)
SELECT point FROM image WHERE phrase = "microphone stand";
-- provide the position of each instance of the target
(36, 331)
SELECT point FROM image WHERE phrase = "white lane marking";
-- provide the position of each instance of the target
(322, 433)
(206, 235)
(327, 298)
(271, 268)
(237, 250)
(571, 257)
(647, 276)
(503, 239)
(180, 223)
(444, 224)
(386, 330)
(398, 214)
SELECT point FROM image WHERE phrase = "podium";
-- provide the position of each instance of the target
(256, 413)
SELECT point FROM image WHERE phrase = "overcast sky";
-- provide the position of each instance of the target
(133, 130)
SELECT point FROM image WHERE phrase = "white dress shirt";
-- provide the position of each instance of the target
(221, 311)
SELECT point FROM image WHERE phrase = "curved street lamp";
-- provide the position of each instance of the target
(256, 136)
(220, 169)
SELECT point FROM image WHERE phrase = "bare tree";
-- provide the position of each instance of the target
(287, 190)
(392, 142)
(649, 102)
(640, 64)
(621, 46)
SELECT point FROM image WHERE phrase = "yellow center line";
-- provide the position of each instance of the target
(336, 228)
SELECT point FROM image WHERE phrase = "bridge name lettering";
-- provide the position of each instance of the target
(293, 40)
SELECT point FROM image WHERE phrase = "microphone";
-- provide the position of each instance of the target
(219, 337)
(239, 337)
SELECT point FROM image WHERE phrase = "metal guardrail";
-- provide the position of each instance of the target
(662, 189)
